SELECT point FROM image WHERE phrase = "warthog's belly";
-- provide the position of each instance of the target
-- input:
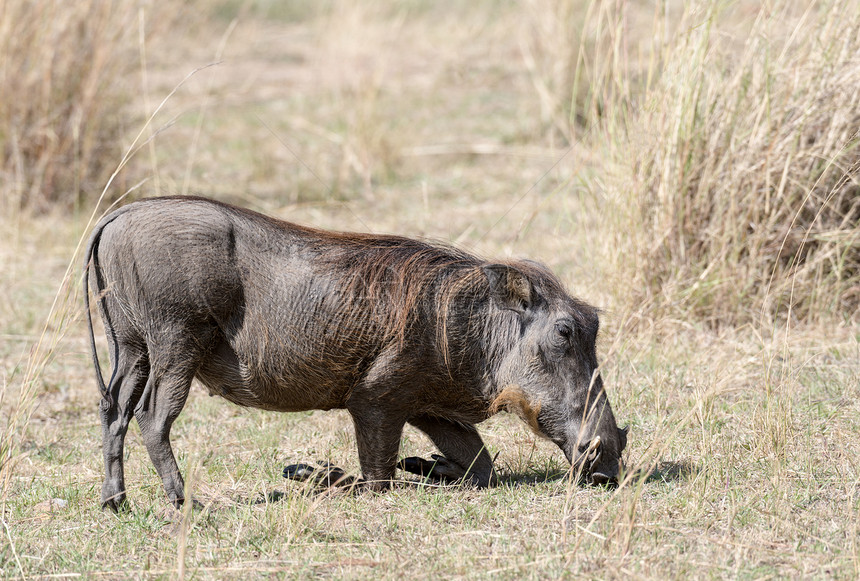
(252, 382)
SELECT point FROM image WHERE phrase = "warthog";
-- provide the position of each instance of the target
(282, 317)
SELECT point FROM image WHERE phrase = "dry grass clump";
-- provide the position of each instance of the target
(581, 56)
(738, 188)
(550, 46)
(61, 67)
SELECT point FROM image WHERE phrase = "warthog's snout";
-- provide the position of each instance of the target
(598, 461)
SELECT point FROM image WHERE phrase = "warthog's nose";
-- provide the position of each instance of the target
(607, 474)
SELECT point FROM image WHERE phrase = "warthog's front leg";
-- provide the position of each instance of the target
(465, 457)
(377, 435)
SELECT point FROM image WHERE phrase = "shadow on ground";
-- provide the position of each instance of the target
(671, 471)
(668, 471)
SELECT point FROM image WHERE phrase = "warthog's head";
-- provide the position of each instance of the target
(547, 368)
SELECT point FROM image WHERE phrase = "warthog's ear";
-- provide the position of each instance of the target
(510, 287)
(622, 435)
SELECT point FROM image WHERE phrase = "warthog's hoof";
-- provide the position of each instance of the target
(300, 472)
(113, 496)
(117, 506)
(325, 475)
(439, 468)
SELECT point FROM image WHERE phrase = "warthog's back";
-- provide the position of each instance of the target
(252, 287)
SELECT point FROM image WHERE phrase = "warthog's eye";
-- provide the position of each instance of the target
(564, 331)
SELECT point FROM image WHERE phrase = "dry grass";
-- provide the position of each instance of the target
(64, 71)
(737, 192)
(433, 119)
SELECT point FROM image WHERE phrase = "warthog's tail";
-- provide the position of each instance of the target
(91, 261)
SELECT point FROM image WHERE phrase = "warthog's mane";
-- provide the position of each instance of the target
(405, 281)
(388, 282)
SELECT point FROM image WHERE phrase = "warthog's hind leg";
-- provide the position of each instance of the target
(132, 369)
(163, 398)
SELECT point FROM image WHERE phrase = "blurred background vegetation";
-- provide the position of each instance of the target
(715, 144)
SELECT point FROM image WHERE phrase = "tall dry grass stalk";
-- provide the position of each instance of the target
(62, 314)
(736, 187)
(61, 69)
(355, 41)
(18, 395)
(589, 60)
(550, 46)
